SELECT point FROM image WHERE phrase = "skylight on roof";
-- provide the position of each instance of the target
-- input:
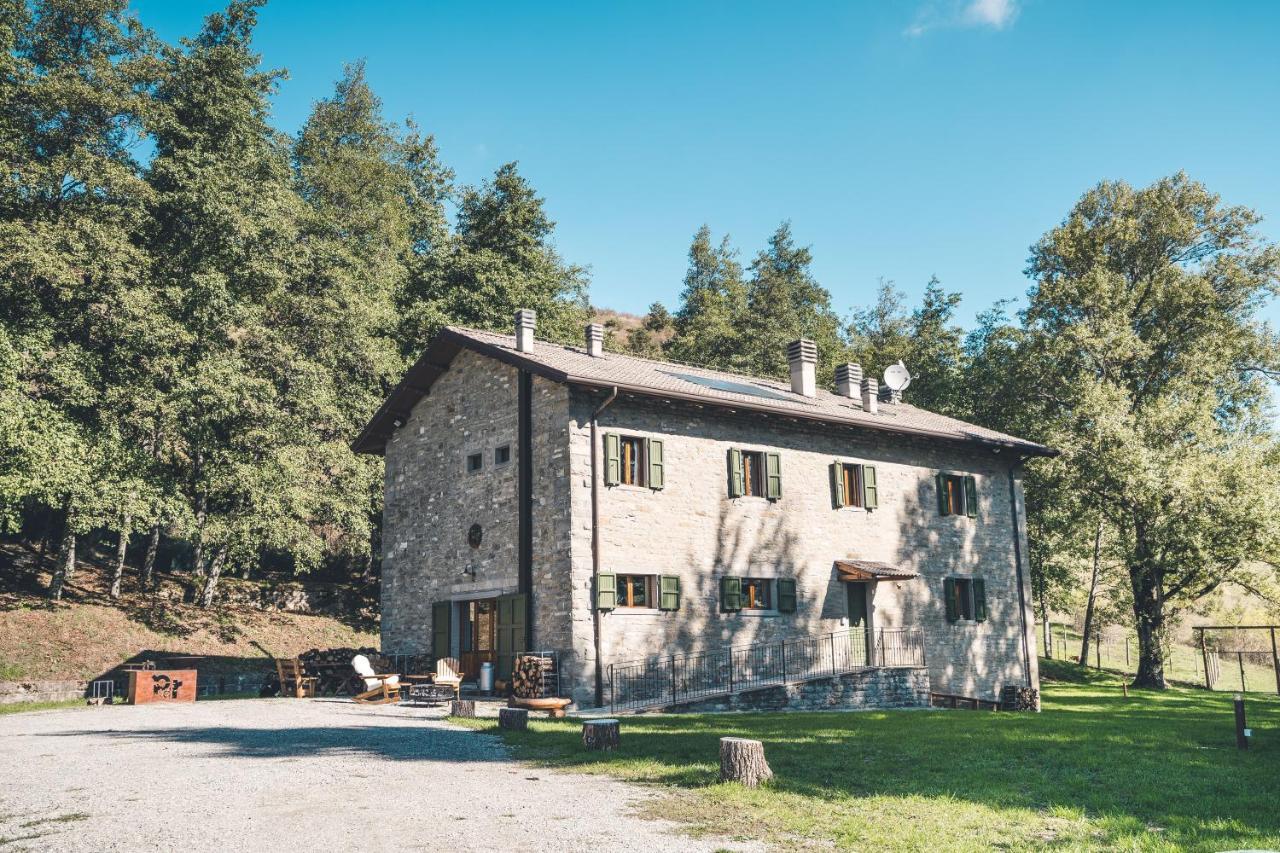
(730, 386)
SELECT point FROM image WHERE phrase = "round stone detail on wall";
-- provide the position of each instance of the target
(474, 536)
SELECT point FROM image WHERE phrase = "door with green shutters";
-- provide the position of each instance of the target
(511, 633)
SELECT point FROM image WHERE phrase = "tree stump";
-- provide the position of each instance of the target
(742, 760)
(462, 708)
(601, 734)
(516, 719)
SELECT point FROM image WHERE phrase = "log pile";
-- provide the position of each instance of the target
(1015, 698)
(601, 734)
(742, 760)
(314, 659)
(529, 676)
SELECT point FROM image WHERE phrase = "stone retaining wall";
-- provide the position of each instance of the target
(865, 690)
(13, 692)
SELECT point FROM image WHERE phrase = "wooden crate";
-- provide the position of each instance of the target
(162, 685)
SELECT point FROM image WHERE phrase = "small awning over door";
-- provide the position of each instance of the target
(870, 570)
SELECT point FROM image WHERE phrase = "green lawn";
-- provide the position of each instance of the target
(1158, 771)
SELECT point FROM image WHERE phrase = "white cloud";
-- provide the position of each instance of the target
(945, 14)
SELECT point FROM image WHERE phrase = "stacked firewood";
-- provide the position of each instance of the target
(334, 657)
(529, 676)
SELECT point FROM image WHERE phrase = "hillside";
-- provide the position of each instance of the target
(87, 633)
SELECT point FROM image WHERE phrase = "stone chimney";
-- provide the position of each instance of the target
(526, 319)
(870, 395)
(803, 357)
(595, 340)
(849, 380)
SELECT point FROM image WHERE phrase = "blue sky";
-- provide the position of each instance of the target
(902, 139)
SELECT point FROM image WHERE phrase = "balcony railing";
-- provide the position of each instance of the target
(673, 679)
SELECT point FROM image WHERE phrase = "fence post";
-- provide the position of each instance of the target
(731, 669)
(784, 661)
(613, 697)
(673, 679)
(1204, 657)
(1275, 659)
(1240, 660)
(833, 654)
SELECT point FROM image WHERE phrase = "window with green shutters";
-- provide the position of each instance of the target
(966, 599)
(854, 485)
(957, 494)
(633, 461)
(753, 473)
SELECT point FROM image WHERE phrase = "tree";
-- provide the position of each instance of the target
(1152, 377)
(785, 302)
(713, 305)
(650, 339)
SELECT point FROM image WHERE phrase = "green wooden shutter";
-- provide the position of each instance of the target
(786, 595)
(440, 612)
(510, 631)
(606, 592)
(941, 481)
(773, 476)
(657, 471)
(971, 497)
(949, 593)
(612, 460)
(979, 600)
(730, 594)
(837, 484)
(668, 592)
(735, 473)
(870, 493)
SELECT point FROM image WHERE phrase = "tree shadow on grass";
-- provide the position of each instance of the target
(1165, 763)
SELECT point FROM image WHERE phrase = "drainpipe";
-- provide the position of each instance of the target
(1017, 557)
(595, 543)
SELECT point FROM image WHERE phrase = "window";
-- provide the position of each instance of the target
(635, 590)
(502, 455)
(966, 599)
(957, 495)
(756, 594)
(753, 473)
(854, 485)
(475, 461)
(633, 461)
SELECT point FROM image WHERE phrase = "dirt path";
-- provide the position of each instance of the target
(287, 774)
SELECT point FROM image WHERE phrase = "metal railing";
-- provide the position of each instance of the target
(674, 679)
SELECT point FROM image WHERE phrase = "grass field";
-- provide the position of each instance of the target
(1158, 771)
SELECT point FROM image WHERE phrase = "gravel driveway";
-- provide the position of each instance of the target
(283, 774)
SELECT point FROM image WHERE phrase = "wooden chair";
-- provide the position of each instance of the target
(293, 680)
(378, 689)
(449, 673)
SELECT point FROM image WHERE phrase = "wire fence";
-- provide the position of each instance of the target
(1227, 658)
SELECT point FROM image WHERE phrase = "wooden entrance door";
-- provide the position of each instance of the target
(859, 619)
(479, 636)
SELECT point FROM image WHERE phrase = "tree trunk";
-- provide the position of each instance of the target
(211, 581)
(66, 561)
(516, 719)
(462, 708)
(742, 760)
(197, 556)
(1093, 597)
(122, 547)
(1148, 609)
(149, 563)
(601, 734)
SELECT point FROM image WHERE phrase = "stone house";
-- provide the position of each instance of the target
(620, 511)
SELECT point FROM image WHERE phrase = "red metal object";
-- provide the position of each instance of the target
(162, 685)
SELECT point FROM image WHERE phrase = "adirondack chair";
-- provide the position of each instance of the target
(449, 673)
(378, 689)
(293, 680)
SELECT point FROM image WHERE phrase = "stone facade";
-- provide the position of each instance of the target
(692, 529)
(852, 691)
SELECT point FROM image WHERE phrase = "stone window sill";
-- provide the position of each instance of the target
(636, 611)
(759, 613)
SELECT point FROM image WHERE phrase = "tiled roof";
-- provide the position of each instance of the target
(669, 380)
(865, 570)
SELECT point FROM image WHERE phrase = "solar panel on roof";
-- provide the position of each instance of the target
(731, 387)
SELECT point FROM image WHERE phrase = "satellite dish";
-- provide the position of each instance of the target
(897, 377)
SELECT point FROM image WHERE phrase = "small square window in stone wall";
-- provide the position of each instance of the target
(475, 461)
(502, 455)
